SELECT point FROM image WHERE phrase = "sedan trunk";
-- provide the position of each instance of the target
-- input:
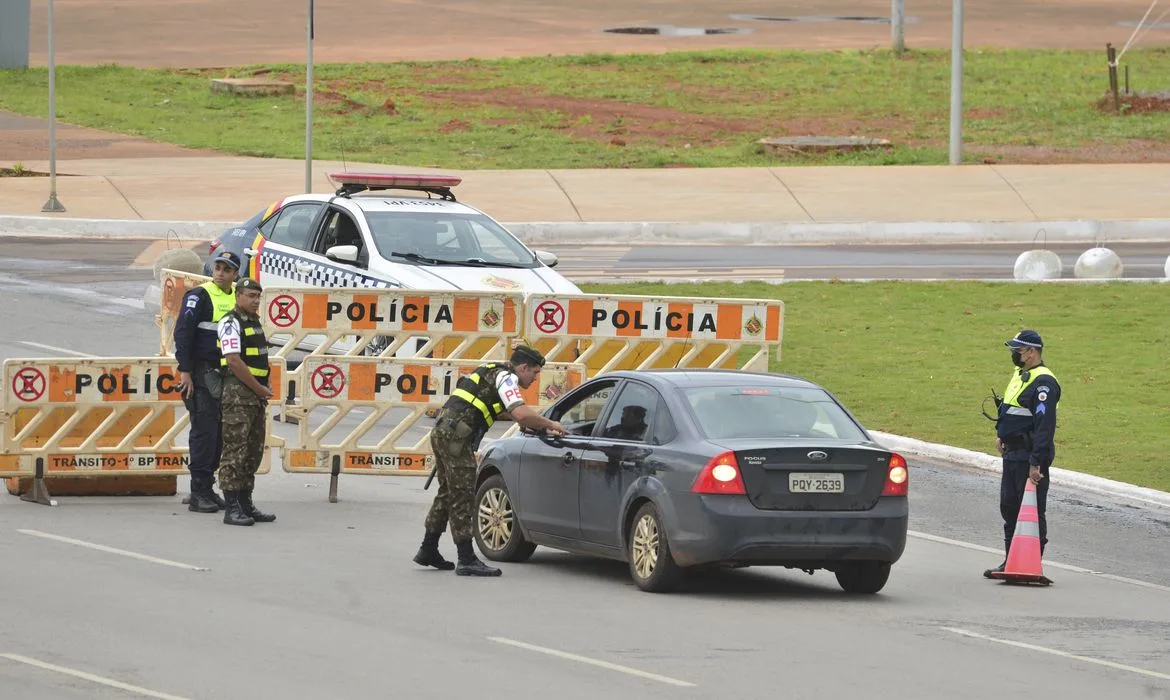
(811, 477)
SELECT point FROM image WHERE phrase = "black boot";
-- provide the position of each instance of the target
(250, 508)
(234, 513)
(470, 565)
(428, 553)
(200, 501)
(1007, 548)
(214, 497)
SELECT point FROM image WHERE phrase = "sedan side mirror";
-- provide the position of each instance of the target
(343, 253)
(546, 257)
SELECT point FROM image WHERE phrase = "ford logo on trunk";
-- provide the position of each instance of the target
(818, 456)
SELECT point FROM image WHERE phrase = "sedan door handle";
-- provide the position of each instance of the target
(628, 463)
(568, 458)
(304, 268)
(250, 252)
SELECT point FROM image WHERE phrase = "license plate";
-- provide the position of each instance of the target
(816, 482)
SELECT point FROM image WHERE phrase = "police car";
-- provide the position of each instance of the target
(363, 236)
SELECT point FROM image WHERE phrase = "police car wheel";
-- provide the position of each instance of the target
(497, 531)
(648, 552)
(865, 577)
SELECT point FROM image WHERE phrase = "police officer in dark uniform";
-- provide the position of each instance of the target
(478, 400)
(200, 381)
(1025, 429)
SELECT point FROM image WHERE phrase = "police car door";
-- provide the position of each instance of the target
(340, 252)
(288, 236)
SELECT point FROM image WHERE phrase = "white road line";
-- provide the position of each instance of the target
(1053, 564)
(112, 550)
(54, 348)
(90, 677)
(593, 662)
(1057, 652)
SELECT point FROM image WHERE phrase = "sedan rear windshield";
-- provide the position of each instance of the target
(467, 239)
(789, 412)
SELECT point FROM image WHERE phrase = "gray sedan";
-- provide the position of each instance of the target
(675, 469)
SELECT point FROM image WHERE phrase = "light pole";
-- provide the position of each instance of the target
(53, 205)
(309, 104)
(957, 83)
(897, 25)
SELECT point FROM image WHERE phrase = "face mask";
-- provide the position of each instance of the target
(1016, 359)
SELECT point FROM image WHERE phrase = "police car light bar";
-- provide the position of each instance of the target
(350, 183)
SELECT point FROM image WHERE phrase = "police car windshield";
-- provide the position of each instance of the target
(752, 412)
(447, 239)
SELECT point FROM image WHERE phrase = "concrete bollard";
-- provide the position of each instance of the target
(1038, 265)
(1098, 263)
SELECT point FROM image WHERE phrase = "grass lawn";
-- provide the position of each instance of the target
(680, 109)
(916, 359)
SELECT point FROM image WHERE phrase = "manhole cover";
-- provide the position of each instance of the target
(669, 30)
(819, 18)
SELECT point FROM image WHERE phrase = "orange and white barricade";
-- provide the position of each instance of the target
(368, 415)
(102, 416)
(612, 332)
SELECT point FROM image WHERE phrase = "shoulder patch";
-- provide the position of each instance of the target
(192, 302)
(1043, 387)
(1042, 396)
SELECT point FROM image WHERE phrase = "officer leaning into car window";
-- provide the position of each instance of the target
(478, 400)
(246, 392)
(1025, 429)
(200, 382)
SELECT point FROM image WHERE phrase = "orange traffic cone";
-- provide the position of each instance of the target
(1023, 561)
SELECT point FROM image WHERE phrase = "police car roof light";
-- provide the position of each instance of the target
(351, 183)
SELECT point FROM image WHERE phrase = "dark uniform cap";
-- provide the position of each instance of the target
(523, 354)
(1025, 339)
(248, 283)
(227, 258)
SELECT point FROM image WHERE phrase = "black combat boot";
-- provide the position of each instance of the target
(428, 553)
(250, 508)
(200, 502)
(1007, 548)
(213, 496)
(470, 565)
(234, 513)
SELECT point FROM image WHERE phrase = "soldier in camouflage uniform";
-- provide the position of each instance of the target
(478, 400)
(245, 404)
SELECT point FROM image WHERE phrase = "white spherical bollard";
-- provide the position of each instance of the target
(1098, 263)
(181, 259)
(1038, 265)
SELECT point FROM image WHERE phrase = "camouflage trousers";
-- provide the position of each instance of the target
(245, 416)
(455, 471)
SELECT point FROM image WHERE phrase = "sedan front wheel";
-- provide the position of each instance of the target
(497, 533)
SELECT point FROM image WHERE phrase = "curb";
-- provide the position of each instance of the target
(990, 463)
(679, 232)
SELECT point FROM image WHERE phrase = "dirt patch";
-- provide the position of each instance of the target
(1135, 104)
(619, 123)
(453, 126)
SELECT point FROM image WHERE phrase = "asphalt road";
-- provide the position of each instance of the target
(326, 603)
(600, 263)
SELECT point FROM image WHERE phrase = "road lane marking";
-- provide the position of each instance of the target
(1058, 652)
(1053, 564)
(112, 550)
(593, 662)
(54, 348)
(90, 677)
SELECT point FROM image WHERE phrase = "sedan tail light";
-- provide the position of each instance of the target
(720, 475)
(897, 477)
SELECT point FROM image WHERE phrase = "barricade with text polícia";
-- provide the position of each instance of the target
(368, 415)
(613, 332)
(102, 416)
(173, 285)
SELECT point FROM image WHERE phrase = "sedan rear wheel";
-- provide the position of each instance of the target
(651, 564)
(863, 576)
(497, 533)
